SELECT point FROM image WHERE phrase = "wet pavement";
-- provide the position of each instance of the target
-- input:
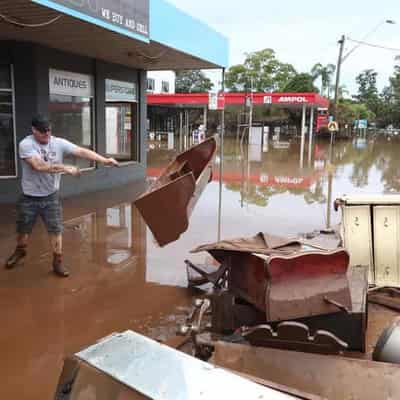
(120, 278)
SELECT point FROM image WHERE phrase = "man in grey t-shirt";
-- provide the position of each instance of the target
(42, 156)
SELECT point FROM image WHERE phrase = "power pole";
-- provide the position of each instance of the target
(221, 157)
(338, 69)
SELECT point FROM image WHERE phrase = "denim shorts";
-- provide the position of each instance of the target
(49, 208)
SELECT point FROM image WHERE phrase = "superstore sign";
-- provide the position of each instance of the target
(128, 15)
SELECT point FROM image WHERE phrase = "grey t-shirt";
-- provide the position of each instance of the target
(42, 184)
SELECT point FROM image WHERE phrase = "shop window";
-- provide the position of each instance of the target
(7, 133)
(165, 87)
(121, 120)
(71, 110)
(151, 84)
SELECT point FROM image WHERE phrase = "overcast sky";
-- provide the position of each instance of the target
(305, 32)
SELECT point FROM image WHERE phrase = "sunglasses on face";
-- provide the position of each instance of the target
(44, 131)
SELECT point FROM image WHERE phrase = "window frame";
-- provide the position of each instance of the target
(153, 87)
(168, 86)
(134, 106)
(12, 91)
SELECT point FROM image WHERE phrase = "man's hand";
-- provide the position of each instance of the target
(111, 162)
(71, 170)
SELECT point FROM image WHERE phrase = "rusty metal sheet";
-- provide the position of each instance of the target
(168, 203)
(308, 284)
(331, 377)
(290, 287)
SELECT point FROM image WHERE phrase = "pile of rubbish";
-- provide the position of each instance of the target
(280, 318)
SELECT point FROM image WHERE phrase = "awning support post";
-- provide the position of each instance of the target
(310, 138)
(303, 134)
(180, 130)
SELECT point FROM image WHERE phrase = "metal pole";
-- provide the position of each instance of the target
(180, 130)
(251, 110)
(338, 70)
(310, 137)
(329, 201)
(303, 134)
(221, 159)
(187, 130)
(205, 118)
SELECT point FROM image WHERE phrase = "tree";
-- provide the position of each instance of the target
(367, 90)
(325, 72)
(301, 83)
(350, 110)
(261, 71)
(192, 81)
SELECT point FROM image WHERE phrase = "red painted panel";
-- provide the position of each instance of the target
(283, 99)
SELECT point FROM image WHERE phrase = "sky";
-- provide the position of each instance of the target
(306, 32)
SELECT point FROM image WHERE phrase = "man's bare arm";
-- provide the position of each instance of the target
(41, 166)
(93, 156)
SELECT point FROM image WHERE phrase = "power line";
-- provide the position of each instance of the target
(377, 46)
(23, 25)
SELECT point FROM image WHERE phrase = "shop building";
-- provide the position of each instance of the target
(159, 82)
(84, 64)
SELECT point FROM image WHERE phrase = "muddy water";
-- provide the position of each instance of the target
(122, 280)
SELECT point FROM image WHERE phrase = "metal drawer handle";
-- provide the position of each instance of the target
(386, 223)
(356, 221)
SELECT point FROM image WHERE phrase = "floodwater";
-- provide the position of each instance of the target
(121, 280)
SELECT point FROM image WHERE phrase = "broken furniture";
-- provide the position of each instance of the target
(206, 274)
(331, 377)
(271, 280)
(168, 203)
(370, 230)
(131, 366)
(293, 336)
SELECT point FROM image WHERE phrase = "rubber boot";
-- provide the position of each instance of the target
(58, 266)
(18, 255)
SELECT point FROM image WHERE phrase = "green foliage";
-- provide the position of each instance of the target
(192, 81)
(367, 90)
(261, 71)
(301, 83)
(350, 110)
(326, 73)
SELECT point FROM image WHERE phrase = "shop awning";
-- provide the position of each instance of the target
(146, 34)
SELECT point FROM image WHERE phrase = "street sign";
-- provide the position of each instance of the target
(362, 124)
(216, 101)
(333, 126)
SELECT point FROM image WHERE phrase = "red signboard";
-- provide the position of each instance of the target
(221, 101)
(266, 99)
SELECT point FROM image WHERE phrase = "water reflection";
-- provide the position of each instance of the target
(268, 181)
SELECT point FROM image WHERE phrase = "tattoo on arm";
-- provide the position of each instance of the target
(41, 166)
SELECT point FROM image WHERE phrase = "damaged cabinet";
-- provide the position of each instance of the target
(357, 236)
(386, 245)
(370, 233)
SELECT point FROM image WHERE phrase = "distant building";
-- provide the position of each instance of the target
(159, 82)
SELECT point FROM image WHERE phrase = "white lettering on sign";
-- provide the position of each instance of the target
(70, 83)
(288, 180)
(120, 91)
(267, 99)
(130, 15)
(292, 99)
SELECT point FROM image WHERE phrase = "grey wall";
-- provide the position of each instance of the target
(31, 65)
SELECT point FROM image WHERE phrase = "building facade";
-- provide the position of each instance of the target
(84, 65)
(161, 82)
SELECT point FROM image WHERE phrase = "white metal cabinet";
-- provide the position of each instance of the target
(386, 245)
(357, 236)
